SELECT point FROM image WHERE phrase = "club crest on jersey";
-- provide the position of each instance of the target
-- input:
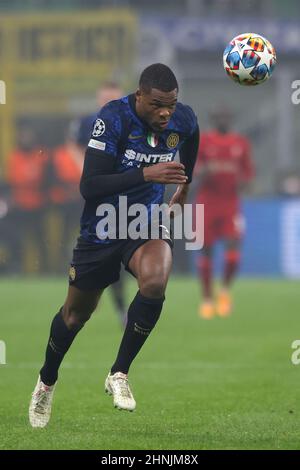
(172, 140)
(99, 128)
(72, 273)
(152, 139)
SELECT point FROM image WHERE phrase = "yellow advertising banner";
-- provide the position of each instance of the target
(46, 59)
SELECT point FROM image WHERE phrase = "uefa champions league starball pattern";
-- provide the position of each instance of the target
(249, 59)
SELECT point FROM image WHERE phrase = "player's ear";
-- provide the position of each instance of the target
(138, 95)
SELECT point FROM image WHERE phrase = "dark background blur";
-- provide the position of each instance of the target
(55, 54)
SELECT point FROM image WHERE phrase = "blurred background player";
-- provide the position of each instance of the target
(4, 228)
(81, 130)
(26, 174)
(224, 168)
(83, 126)
(64, 174)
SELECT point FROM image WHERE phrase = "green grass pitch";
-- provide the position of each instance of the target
(220, 384)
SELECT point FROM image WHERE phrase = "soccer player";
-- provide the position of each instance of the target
(131, 152)
(64, 173)
(26, 175)
(81, 131)
(224, 167)
(81, 128)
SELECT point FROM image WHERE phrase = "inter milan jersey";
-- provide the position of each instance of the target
(122, 135)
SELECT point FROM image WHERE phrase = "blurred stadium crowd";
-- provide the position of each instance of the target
(40, 192)
(53, 57)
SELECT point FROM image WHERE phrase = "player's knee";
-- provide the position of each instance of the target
(232, 245)
(75, 318)
(153, 287)
(206, 251)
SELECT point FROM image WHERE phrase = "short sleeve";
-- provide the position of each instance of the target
(191, 120)
(106, 130)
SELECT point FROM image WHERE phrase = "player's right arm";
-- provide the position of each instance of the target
(165, 173)
(99, 178)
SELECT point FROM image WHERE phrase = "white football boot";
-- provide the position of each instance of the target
(40, 405)
(118, 386)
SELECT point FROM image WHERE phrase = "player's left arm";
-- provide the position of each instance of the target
(188, 155)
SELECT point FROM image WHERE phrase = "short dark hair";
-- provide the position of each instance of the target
(158, 76)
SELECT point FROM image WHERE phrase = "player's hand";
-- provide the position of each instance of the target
(165, 173)
(179, 197)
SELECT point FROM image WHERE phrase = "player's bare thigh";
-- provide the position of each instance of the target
(151, 264)
(80, 305)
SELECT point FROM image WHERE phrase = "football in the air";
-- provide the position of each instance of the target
(249, 59)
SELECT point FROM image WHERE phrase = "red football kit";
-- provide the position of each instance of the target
(227, 161)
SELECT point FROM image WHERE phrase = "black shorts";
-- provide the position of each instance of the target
(96, 266)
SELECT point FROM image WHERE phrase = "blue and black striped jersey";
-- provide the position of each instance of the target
(130, 143)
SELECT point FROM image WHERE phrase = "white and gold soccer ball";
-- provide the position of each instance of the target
(249, 59)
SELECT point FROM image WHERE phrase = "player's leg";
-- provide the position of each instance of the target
(117, 290)
(231, 265)
(205, 268)
(76, 310)
(151, 264)
(233, 229)
(206, 308)
(232, 261)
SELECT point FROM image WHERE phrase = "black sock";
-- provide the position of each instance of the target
(143, 314)
(59, 342)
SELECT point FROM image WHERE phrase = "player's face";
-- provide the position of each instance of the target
(222, 121)
(156, 107)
